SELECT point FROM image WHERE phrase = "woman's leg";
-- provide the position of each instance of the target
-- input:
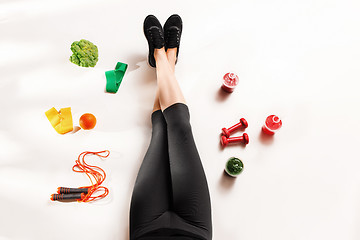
(171, 56)
(169, 89)
(191, 199)
(152, 191)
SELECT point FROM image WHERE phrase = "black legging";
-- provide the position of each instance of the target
(171, 197)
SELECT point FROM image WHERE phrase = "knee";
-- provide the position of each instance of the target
(180, 126)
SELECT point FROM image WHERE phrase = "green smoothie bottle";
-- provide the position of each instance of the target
(234, 167)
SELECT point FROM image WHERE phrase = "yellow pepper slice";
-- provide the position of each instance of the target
(61, 121)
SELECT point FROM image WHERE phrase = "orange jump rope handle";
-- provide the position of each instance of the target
(70, 196)
(72, 190)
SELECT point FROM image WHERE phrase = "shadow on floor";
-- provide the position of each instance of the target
(221, 95)
(266, 139)
(226, 182)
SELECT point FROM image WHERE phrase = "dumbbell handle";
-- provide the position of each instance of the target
(244, 139)
(242, 123)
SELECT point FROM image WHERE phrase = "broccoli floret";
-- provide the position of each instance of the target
(85, 53)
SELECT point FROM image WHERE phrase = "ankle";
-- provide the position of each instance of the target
(171, 54)
(159, 53)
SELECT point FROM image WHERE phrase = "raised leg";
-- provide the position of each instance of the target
(190, 193)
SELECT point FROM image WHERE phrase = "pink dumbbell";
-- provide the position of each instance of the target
(242, 124)
(243, 139)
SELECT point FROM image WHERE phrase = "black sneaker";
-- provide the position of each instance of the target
(172, 32)
(154, 35)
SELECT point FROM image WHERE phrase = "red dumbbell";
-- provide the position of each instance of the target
(243, 139)
(242, 124)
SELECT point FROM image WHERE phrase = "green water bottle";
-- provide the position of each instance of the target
(234, 166)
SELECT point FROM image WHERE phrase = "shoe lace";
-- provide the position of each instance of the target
(156, 36)
(173, 37)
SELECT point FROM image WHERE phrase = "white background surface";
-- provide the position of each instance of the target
(297, 59)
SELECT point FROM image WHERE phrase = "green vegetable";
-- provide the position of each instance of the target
(234, 166)
(85, 53)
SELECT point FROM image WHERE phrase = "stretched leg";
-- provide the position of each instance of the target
(152, 191)
(191, 199)
(153, 181)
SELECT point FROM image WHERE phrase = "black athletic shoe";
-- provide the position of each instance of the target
(172, 32)
(154, 35)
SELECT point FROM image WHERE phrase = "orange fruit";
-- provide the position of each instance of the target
(87, 121)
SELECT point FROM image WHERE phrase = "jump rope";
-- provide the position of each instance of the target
(88, 193)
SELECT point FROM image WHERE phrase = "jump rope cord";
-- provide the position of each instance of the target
(94, 173)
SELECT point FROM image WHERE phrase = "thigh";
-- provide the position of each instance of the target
(152, 191)
(191, 199)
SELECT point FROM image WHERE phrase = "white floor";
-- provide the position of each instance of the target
(297, 59)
